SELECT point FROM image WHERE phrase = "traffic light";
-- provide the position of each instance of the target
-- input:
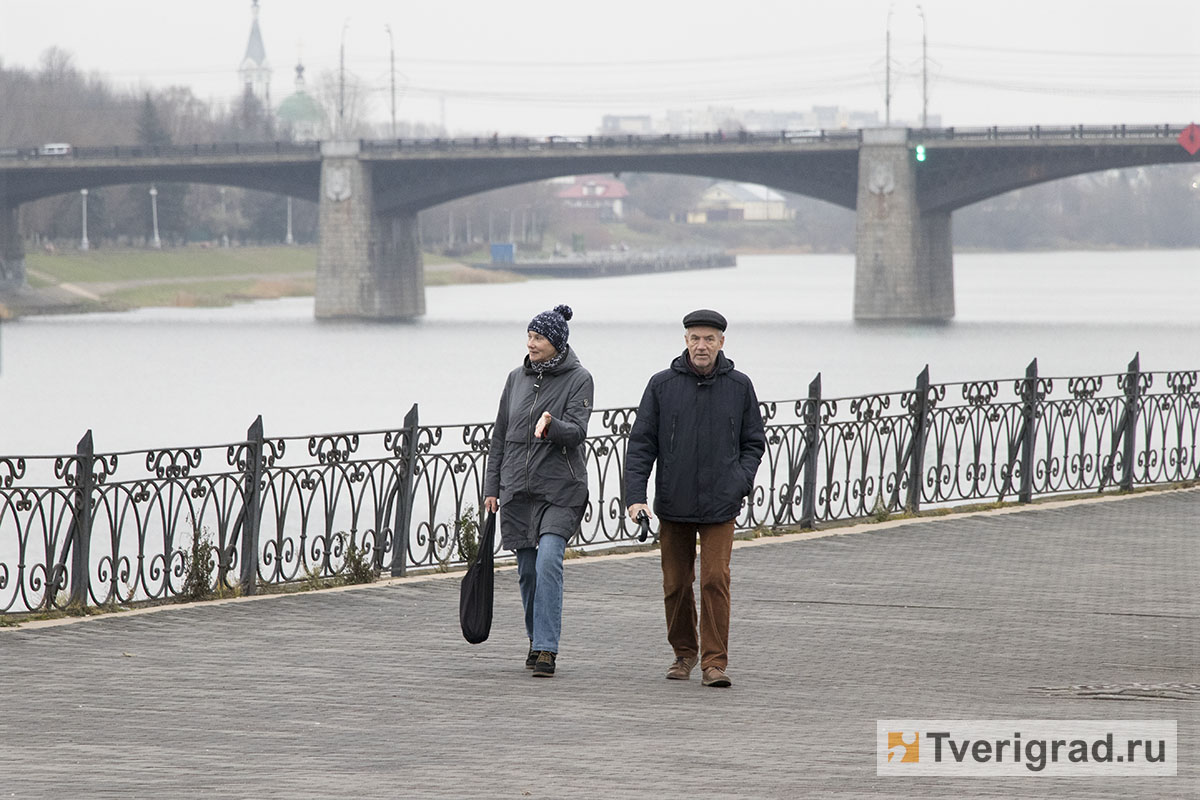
(920, 152)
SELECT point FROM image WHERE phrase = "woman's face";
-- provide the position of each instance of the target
(539, 347)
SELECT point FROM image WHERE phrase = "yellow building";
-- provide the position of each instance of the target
(735, 202)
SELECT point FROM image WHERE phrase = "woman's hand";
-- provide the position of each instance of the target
(543, 426)
(491, 504)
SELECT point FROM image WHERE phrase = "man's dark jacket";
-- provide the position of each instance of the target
(706, 433)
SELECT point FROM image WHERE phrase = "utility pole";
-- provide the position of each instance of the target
(392, 49)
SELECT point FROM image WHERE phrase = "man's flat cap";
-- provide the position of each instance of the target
(706, 317)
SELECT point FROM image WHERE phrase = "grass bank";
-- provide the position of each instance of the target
(110, 265)
(117, 279)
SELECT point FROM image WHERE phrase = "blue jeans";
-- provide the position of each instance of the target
(540, 573)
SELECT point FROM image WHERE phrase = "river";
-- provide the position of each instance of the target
(158, 377)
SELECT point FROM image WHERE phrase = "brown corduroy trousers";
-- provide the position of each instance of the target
(677, 541)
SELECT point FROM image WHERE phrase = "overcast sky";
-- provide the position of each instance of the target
(539, 67)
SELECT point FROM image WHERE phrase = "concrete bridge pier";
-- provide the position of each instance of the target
(12, 251)
(904, 265)
(369, 261)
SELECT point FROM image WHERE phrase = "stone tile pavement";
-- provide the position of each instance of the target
(371, 692)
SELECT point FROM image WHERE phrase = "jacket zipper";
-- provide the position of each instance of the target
(537, 390)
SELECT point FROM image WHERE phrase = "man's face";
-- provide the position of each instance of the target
(539, 347)
(703, 344)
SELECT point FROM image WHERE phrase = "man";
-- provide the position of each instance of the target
(700, 422)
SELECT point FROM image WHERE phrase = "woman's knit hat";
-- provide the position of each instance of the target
(553, 325)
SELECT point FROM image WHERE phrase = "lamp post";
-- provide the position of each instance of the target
(342, 81)
(83, 240)
(392, 50)
(924, 70)
(887, 71)
(156, 243)
(288, 239)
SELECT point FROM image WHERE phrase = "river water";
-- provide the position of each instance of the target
(174, 377)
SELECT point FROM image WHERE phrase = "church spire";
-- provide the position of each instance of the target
(254, 71)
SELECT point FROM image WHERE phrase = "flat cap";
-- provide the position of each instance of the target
(706, 317)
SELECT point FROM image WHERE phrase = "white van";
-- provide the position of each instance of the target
(55, 149)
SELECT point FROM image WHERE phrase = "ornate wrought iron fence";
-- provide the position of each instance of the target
(92, 529)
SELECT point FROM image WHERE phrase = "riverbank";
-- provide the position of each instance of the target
(121, 279)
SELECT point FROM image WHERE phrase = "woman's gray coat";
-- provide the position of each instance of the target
(541, 483)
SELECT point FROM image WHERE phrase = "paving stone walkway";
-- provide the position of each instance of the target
(372, 692)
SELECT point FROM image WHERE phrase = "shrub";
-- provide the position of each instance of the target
(359, 566)
(197, 566)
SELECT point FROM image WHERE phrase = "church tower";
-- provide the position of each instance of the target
(254, 71)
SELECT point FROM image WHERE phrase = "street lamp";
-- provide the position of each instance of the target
(156, 243)
(392, 50)
(342, 81)
(924, 70)
(224, 219)
(887, 71)
(83, 240)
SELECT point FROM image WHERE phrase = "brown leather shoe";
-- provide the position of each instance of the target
(715, 676)
(681, 670)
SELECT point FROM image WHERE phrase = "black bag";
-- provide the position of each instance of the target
(475, 594)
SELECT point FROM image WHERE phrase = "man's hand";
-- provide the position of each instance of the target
(491, 504)
(636, 507)
(543, 425)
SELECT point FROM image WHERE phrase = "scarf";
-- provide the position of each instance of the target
(540, 367)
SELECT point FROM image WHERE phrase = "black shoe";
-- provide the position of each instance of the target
(531, 658)
(544, 668)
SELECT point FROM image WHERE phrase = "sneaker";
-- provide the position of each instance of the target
(715, 676)
(681, 670)
(531, 658)
(544, 667)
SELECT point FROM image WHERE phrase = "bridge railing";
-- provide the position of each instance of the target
(566, 144)
(605, 141)
(1046, 132)
(166, 150)
(95, 529)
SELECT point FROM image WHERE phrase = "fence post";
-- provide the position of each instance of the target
(1133, 392)
(1029, 409)
(916, 464)
(252, 506)
(82, 540)
(408, 467)
(812, 444)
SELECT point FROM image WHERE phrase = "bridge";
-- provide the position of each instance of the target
(370, 192)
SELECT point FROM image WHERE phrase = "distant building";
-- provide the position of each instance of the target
(598, 196)
(730, 120)
(612, 124)
(300, 114)
(254, 71)
(735, 202)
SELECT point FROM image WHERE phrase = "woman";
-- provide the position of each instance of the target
(535, 474)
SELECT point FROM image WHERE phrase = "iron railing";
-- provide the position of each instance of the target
(482, 145)
(92, 529)
(1165, 132)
